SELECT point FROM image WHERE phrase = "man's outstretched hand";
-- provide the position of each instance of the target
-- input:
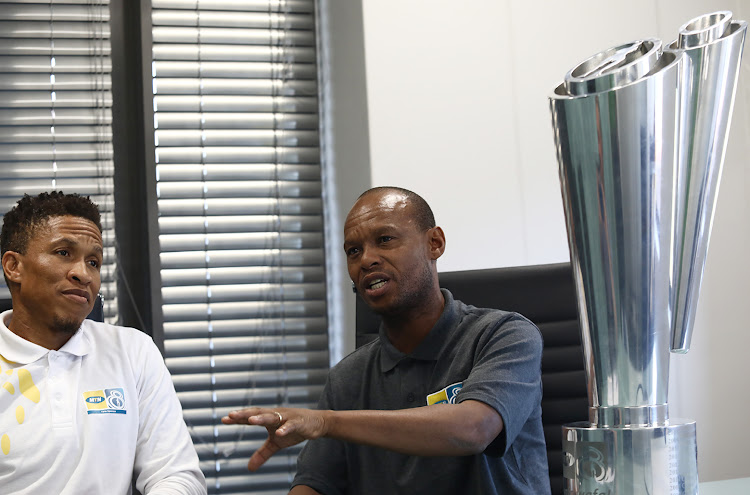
(288, 427)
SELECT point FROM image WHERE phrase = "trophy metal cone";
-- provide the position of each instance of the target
(640, 133)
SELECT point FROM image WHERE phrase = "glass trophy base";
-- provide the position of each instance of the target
(630, 460)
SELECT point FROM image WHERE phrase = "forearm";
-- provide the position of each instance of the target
(438, 430)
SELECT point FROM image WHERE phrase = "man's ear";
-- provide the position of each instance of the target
(436, 238)
(12, 266)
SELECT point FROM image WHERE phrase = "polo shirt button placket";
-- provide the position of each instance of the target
(53, 368)
(52, 374)
(58, 390)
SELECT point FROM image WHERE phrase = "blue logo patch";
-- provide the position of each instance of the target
(107, 401)
(445, 396)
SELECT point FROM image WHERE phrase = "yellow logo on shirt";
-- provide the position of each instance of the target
(26, 387)
(107, 401)
(445, 396)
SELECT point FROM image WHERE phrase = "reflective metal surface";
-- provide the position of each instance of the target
(612, 68)
(658, 460)
(617, 151)
(640, 134)
(713, 43)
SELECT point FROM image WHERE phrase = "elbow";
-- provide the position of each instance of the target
(476, 436)
(482, 439)
(470, 443)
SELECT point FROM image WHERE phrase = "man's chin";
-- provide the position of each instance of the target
(384, 308)
(66, 326)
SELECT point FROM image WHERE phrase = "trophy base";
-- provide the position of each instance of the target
(630, 460)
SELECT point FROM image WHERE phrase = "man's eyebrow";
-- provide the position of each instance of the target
(65, 240)
(72, 242)
(386, 229)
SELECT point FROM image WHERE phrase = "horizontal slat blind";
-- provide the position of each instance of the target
(56, 111)
(240, 221)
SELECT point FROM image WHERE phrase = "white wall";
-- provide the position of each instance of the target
(458, 111)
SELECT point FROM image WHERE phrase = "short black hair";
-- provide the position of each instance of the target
(31, 212)
(422, 211)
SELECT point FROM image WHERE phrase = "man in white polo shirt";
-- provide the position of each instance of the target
(85, 407)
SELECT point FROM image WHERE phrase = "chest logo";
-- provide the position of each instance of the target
(107, 401)
(445, 396)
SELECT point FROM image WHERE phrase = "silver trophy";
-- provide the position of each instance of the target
(640, 131)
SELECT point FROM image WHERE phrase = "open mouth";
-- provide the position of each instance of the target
(376, 284)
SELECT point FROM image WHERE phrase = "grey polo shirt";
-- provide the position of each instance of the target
(471, 353)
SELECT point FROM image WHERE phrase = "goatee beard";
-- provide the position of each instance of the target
(66, 327)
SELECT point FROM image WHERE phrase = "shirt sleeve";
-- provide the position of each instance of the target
(322, 463)
(507, 376)
(165, 460)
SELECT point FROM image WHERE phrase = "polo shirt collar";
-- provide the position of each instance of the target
(19, 350)
(427, 350)
(80, 343)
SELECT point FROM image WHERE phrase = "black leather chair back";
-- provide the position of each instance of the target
(545, 294)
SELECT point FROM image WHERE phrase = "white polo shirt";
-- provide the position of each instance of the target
(91, 417)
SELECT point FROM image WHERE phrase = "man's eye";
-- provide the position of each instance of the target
(385, 238)
(94, 263)
(62, 252)
(352, 251)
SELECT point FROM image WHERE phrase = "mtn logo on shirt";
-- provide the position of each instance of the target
(445, 396)
(107, 401)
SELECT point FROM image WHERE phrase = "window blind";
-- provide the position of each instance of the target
(240, 221)
(55, 111)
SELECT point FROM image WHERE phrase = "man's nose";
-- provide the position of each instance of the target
(80, 272)
(370, 257)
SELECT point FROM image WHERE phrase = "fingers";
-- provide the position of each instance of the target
(241, 416)
(262, 455)
(285, 428)
(280, 421)
(254, 416)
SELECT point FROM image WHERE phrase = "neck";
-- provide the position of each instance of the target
(21, 325)
(408, 329)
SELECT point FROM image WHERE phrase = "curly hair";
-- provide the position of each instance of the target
(31, 212)
(422, 211)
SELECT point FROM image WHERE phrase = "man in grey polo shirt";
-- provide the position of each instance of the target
(446, 401)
